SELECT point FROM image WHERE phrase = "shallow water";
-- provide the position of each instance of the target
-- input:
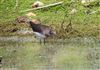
(26, 53)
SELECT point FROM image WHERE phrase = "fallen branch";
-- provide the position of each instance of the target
(58, 3)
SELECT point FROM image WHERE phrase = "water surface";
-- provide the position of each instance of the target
(26, 53)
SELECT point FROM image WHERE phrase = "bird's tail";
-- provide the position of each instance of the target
(52, 32)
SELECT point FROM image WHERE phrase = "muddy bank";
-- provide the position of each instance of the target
(65, 30)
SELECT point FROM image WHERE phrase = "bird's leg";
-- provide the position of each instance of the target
(40, 41)
(34, 36)
(44, 40)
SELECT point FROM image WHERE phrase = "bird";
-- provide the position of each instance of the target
(41, 31)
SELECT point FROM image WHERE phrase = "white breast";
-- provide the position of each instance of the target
(39, 35)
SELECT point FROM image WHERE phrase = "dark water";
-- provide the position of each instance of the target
(26, 53)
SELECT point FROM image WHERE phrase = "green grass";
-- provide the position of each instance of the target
(86, 24)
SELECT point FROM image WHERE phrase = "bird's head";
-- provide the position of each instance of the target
(33, 21)
(36, 21)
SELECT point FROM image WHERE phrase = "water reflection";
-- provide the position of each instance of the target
(26, 53)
